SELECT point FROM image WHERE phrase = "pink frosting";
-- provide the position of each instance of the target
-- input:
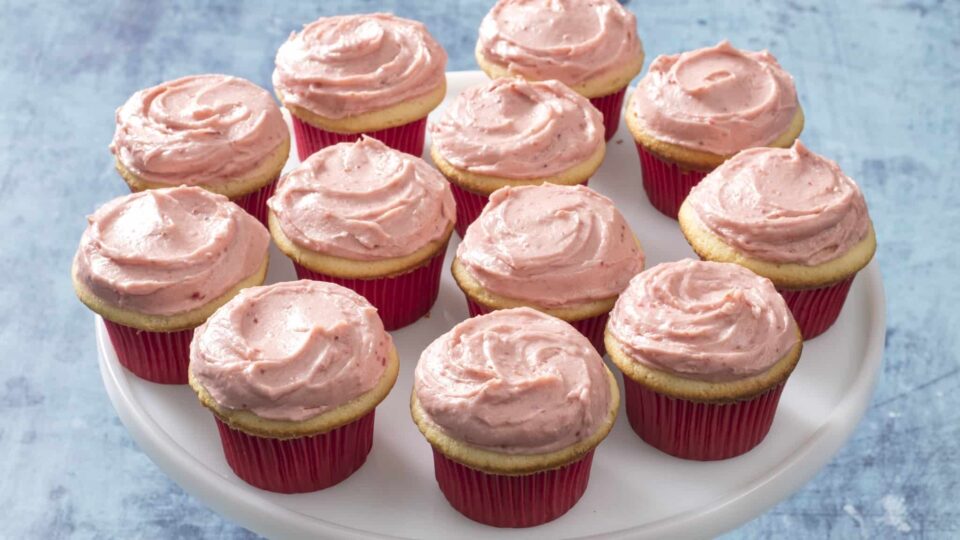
(348, 65)
(571, 41)
(783, 205)
(551, 245)
(515, 381)
(291, 351)
(363, 201)
(198, 130)
(517, 129)
(718, 99)
(703, 320)
(169, 251)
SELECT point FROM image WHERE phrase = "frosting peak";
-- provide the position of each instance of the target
(515, 381)
(198, 130)
(363, 201)
(516, 129)
(717, 99)
(347, 65)
(703, 320)
(551, 245)
(291, 351)
(169, 251)
(784, 205)
(571, 41)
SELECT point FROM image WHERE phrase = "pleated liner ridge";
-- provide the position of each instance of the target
(400, 300)
(302, 464)
(160, 357)
(407, 138)
(512, 501)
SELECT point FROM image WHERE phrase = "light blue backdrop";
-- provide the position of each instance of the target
(878, 81)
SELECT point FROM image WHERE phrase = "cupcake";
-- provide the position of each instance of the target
(373, 74)
(692, 111)
(511, 132)
(791, 216)
(292, 373)
(514, 404)
(590, 45)
(705, 349)
(157, 263)
(562, 250)
(221, 133)
(370, 218)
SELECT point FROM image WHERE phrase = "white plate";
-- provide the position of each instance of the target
(635, 491)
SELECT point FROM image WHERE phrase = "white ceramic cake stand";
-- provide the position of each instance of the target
(634, 492)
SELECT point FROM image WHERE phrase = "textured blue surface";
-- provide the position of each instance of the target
(879, 83)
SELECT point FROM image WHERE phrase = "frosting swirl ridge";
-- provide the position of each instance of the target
(514, 381)
(352, 64)
(717, 99)
(169, 251)
(551, 245)
(517, 129)
(363, 201)
(198, 130)
(703, 320)
(568, 40)
(785, 205)
(291, 351)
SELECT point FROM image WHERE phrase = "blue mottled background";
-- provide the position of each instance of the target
(879, 82)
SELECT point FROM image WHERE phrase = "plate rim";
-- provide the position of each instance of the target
(718, 516)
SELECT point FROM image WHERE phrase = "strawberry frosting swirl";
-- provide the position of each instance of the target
(717, 99)
(169, 251)
(198, 130)
(363, 201)
(571, 41)
(514, 381)
(703, 320)
(516, 129)
(551, 245)
(784, 205)
(343, 66)
(291, 351)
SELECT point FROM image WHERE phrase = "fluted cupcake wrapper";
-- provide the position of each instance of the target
(255, 203)
(610, 106)
(817, 309)
(298, 465)
(667, 184)
(592, 328)
(470, 205)
(400, 300)
(695, 430)
(405, 138)
(512, 501)
(160, 357)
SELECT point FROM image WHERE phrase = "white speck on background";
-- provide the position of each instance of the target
(851, 511)
(894, 513)
(893, 414)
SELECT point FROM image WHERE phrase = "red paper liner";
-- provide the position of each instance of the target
(405, 138)
(512, 501)
(255, 203)
(160, 357)
(470, 205)
(667, 184)
(817, 309)
(592, 328)
(610, 106)
(699, 431)
(298, 465)
(400, 300)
